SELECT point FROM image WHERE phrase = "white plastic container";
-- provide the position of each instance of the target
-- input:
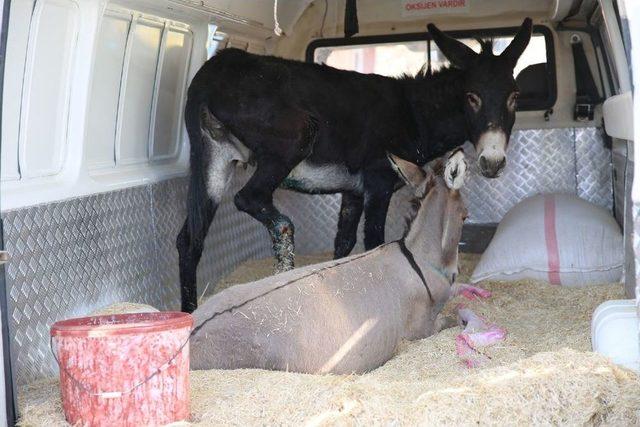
(614, 332)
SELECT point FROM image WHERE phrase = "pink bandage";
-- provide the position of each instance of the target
(478, 332)
(471, 292)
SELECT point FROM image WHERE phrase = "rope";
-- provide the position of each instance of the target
(113, 394)
(324, 17)
(277, 30)
(227, 310)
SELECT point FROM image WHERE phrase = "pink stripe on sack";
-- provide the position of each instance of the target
(551, 239)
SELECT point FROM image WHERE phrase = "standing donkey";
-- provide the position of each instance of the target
(346, 315)
(315, 129)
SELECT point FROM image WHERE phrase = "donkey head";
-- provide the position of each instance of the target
(490, 94)
(439, 211)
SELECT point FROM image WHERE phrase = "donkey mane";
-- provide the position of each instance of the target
(486, 47)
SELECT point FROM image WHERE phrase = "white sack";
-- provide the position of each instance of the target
(558, 238)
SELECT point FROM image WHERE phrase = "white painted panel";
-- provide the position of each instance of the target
(105, 90)
(169, 102)
(238, 44)
(47, 86)
(256, 48)
(618, 116)
(17, 41)
(137, 96)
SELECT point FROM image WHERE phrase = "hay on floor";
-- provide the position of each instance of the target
(124, 307)
(543, 373)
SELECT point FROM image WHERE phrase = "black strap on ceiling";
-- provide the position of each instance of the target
(351, 19)
(587, 95)
(429, 57)
(412, 262)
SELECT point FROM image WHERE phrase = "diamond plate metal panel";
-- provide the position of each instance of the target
(593, 167)
(537, 161)
(315, 218)
(71, 257)
(233, 238)
(169, 211)
(635, 255)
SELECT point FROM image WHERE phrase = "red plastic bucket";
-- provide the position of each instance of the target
(124, 369)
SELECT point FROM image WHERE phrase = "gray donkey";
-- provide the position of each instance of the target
(346, 315)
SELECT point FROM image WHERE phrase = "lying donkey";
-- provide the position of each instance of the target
(347, 315)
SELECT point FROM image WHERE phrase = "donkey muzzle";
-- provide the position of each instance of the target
(491, 153)
(491, 168)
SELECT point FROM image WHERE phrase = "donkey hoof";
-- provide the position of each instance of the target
(455, 170)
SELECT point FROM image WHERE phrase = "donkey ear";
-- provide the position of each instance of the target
(460, 55)
(518, 44)
(413, 175)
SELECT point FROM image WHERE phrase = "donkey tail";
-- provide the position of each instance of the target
(197, 198)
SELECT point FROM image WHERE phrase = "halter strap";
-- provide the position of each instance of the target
(412, 262)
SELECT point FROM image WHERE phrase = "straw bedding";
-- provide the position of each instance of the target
(124, 307)
(543, 373)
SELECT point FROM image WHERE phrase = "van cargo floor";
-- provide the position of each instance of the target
(543, 373)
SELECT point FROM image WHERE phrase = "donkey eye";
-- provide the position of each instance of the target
(474, 101)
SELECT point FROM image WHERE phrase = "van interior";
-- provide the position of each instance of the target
(95, 157)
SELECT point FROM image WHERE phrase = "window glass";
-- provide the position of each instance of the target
(606, 41)
(170, 94)
(533, 72)
(395, 59)
(535, 53)
(47, 85)
(387, 59)
(105, 90)
(138, 94)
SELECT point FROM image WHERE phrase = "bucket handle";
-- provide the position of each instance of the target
(115, 394)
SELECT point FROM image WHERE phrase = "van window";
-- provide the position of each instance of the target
(137, 97)
(534, 72)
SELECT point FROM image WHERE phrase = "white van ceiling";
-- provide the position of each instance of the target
(255, 13)
(373, 11)
(261, 13)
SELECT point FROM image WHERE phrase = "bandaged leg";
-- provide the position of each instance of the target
(469, 291)
(478, 333)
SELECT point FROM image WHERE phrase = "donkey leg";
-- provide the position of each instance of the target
(350, 213)
(222, 156)
(189, 257)
(256, 199)
(379, 186)
(375, 217)
(289, 138)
